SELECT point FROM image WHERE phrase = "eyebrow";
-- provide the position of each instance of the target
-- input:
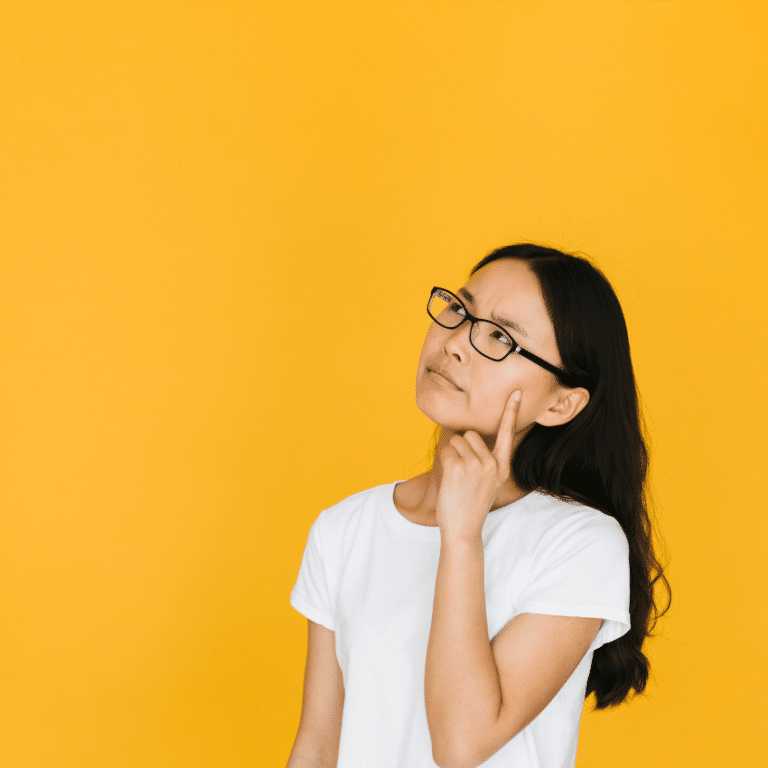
(496, 318)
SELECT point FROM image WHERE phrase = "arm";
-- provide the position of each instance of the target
(317, 740)
(300, 761)
(479, 695)
(462, 689)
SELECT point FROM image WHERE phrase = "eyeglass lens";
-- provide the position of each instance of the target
(488, 338)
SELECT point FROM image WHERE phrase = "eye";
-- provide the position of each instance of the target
(457, 308)
(499, 336)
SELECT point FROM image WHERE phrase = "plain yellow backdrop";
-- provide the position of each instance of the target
(219, 223)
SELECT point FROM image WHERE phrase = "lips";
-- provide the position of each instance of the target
(445, 375)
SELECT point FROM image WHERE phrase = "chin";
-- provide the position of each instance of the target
(444, 417)
(439, 415)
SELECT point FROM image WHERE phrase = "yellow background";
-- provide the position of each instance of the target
(198, 201)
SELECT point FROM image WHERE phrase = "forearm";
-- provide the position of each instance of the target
(308, 760)
(461, 685)
(312, 750)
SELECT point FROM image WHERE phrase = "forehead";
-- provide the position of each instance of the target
(505, 284)
(509, 287)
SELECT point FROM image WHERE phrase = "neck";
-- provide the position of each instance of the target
(430, 480)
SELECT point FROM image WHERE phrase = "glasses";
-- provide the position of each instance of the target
(488, 338)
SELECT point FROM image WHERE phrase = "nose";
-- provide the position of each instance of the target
(457, 342)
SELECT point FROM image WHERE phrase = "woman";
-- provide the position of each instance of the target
(461, 617)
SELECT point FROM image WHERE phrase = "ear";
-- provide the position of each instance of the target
(568, 404)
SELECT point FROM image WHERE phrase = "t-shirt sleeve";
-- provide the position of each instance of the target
(581, 568)
(310, 595)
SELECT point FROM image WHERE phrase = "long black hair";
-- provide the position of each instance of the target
(600, 457)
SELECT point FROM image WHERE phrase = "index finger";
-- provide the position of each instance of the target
(503, 446)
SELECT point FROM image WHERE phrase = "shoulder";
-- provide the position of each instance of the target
(560, 520)
(348, 511)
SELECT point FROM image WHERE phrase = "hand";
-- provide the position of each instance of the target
(473, 475)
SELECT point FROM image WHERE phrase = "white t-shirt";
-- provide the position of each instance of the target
(368, 573)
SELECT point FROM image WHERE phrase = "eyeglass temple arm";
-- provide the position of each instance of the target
(559, 372)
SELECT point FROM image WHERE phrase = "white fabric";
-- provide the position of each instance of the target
(368, 574)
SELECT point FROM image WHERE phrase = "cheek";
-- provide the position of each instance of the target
(429, 342)
(527, 415)
(517, 375)
(535, 395)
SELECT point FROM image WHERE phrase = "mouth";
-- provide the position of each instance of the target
(445, 378)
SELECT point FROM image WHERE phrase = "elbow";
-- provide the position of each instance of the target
(453, 758)
(453, 763)
(466, 749)
(463, 755)
(446, 763)
(445, 757)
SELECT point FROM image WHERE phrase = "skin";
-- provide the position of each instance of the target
(470, 461)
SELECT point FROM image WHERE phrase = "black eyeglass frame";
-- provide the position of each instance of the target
(564, 376)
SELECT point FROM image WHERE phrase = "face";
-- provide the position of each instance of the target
(504, 287)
